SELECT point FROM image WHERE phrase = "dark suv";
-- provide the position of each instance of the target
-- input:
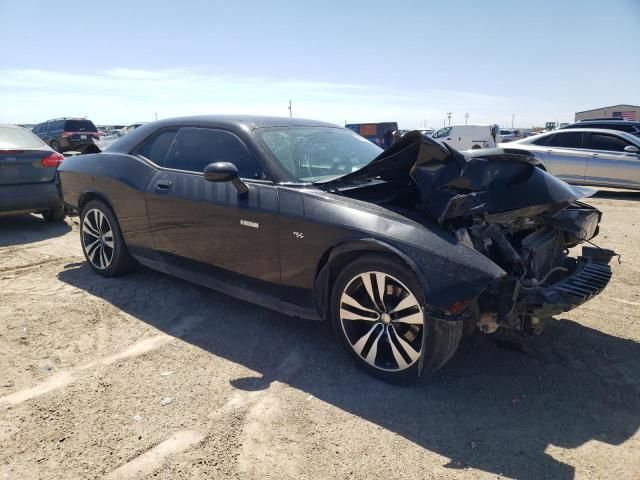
(609, 124)
(68, 134)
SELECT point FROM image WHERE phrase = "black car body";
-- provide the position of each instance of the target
(482, 239)
(28, 175)
(68, 134)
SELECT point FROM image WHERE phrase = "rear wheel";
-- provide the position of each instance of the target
(55, 214)
(102, 242)
(476, 147)
(56, 146)
(378, 313)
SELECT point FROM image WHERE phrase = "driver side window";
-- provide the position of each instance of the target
(194, 148)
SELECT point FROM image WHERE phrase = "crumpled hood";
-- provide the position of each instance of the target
(453, 184)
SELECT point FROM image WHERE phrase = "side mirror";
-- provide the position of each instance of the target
(225, 172)
(631, 149)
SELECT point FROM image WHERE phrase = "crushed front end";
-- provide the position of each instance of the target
(542, 279)
(503, 204)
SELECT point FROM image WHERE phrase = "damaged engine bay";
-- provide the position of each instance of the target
(503, 204)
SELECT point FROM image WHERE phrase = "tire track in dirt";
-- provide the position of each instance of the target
(262, 451)
(152, 459)
(66, 377)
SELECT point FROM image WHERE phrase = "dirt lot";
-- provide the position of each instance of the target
(150, 376)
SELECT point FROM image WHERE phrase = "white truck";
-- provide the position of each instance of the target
(469, 137)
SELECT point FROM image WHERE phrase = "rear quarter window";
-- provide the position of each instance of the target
(541, 142)
(565, 140)
(157, 147)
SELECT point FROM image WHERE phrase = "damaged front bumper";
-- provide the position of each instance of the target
(583, 279)
(589, 279)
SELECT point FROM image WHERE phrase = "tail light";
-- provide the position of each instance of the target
(67, 134)
(53, 160)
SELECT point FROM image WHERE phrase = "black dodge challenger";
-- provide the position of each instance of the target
(403, 250)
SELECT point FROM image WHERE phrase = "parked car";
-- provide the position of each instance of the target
(401, 250)
(609, 124)
(587, 156)
(469, 137)
(106, 141)
(509, 135)
(28, 179)
(130, 128)
(67, 134)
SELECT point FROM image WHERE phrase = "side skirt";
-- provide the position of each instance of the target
(240, 293)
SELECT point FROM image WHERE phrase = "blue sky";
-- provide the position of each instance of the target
(409, 61)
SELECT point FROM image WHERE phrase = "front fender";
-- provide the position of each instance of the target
(442, 288)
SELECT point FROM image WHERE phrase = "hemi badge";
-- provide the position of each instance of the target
(247, 223)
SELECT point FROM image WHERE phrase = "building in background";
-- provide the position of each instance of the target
(622, 112)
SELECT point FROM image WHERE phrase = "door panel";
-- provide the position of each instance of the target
(608, 163)
(563, 156)
(209, 227)
(565, 163)
(613, 168)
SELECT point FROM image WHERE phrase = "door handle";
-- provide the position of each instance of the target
(163, 185)
(595, 155)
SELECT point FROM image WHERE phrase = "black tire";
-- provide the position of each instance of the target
(101, 239)
(56, 214)
(476, 147)
(442, 338)
(56, 146)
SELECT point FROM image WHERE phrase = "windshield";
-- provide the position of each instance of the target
(311, 154)
(19, 138)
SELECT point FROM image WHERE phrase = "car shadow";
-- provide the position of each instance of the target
(491, 408)
(618, 194)
(23, 229)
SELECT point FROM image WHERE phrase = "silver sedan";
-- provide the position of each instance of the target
(587, 156)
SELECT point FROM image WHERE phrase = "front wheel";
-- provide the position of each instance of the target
(378, 313)
(102, 242)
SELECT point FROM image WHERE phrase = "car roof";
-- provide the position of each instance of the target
(626, 135)
(243, 121)
(605, 122)
(11, 125)
(238, 124)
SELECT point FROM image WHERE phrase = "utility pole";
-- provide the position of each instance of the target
(466, 118)
(156, 114)
(512, 117)
(290, 111)
(449, 117)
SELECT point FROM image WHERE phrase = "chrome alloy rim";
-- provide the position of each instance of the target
(97, 239)
(382, 321)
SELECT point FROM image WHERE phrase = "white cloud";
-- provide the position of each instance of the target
(121, 95)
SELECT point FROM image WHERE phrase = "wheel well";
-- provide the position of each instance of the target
(335, 260)
(88, 196)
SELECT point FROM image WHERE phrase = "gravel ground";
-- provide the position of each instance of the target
(147, 376)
